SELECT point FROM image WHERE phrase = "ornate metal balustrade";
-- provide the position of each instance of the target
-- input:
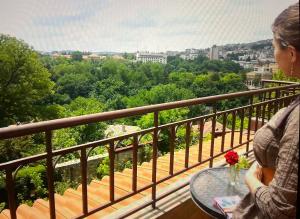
(261, 104)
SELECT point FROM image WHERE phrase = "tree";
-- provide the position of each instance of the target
(77, 56)
(182, 79)
(23, 82)
(164, 117)
(74, 79)
(204, 86)
(232, 82)
(84, 133)
(111, 91)
(75, 84)
(159, 94)
(280, 76)
(257, 80)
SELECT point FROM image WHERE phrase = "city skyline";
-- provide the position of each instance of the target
(143, 25)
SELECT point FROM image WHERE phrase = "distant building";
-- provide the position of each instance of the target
(191, 51)
(118, 130)
(172, 53)
(93, 57)
(260, 72)
(190, 56)
(273, 67)
(118, 57)
(151, 57)
(57, 55)
(245, 65)
(214, 53)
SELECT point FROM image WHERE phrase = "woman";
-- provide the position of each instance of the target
(276, 144)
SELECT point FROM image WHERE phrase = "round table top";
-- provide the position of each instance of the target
(213, 182)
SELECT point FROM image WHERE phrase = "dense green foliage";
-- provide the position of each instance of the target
(37, 87)
(279, 75)
(24, 83)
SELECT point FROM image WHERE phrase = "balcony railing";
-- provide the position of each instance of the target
(261, 104)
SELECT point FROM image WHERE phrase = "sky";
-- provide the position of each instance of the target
(137, 25)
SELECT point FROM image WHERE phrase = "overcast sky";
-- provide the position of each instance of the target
(131, 25)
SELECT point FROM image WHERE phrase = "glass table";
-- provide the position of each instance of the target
(214, 182)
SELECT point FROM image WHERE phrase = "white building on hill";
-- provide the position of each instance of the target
(151, 57)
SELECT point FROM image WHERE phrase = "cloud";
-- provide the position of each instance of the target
(117, 25)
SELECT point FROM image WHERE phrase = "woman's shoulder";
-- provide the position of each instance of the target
(292, 121)
(295, 113)
(272, 123)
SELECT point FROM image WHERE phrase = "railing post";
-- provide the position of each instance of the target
(187, 144)
(83, 162)
(11, 194)
(223, 131)
(212, 142)
(263, 114)
(242, 126)
(50, 170)
(201, 127)
(257, 112)
(270, 105)
(111, 152)
(249, 124)
(154, 159)
(134, 162)
(232, 129)
(172, 146)
(277, 94)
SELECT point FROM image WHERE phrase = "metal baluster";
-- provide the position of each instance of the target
(200, 126)
(154, 158)
(187, 144)
(257, 112)
(263, 114)
(11, 193)
(223, 131)
(249, 123)
(233, 128)
(172, 146)
(83, 162)
(134, 162)
(242, 126)
(212, 145)
(111, 155)
(50, 171)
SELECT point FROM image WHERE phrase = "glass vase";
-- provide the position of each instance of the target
(233, 175)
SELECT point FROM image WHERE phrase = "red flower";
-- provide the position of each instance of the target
(231, 157)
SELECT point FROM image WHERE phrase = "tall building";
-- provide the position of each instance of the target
(151, 57)
(214, 53)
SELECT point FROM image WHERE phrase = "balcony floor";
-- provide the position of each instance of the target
(70, 204)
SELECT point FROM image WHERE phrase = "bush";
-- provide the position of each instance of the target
(103, 168)
(31, 183)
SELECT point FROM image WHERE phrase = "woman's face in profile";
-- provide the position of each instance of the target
(282, 57)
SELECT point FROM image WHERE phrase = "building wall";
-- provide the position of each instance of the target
(214, 53)
(71, 171)
(151, 57)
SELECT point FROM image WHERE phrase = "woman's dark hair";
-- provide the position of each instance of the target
(286, 27)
